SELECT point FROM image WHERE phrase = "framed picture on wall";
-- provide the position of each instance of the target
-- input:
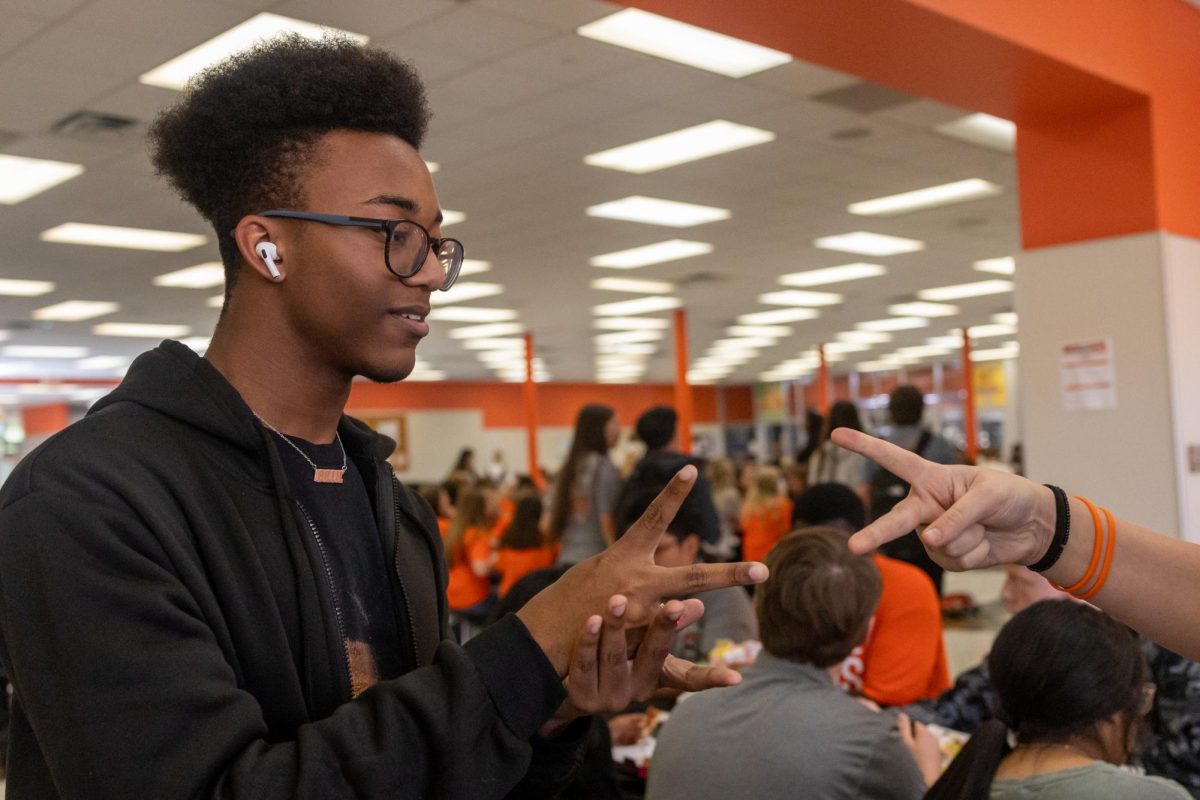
(394, 426)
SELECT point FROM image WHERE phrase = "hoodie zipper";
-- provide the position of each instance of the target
(337, 610)
(396, 512)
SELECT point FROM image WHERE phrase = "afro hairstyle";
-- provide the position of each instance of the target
(239, 139)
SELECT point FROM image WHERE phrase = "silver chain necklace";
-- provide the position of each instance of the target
(320, 474)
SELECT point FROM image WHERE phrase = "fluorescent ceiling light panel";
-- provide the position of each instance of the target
(499, 343)
(983, 130)
(76, 310)
(950, 342)
(631, 323)
(998, 266)
(632, 285)
(102, 362)
(467, 314)
(432, 166)
(654, 211)
(869, 244)
(839, 274)
(996, 354)
(922, 351)
(863, 337)
(216, 301)
(141, 330)
(626, 348)
(22, 178)
(838, 348)
(44, 351)
(464, 292)
(685, 44)
(963, 290)
(781, 316)
(486, 331)
(129, 238)
(175, 73)
(797, 297)
(1005, 318)
(452, 217)
(743, 343)
(630, 336)
(426, 375)
(929, 197)
(770, 331)
(201, 276)
(502, 356)
(644, 256)
(679, 147)
(994, 329)
(893, 324)
(882, 365)
(21, 288)
(473, 266)
(198, 343)
(642, 305)
(923, 310)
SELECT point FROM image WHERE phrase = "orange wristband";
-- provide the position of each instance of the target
(1096, 545)
(1108, 558)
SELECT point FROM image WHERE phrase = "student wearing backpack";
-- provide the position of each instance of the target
(881, 490)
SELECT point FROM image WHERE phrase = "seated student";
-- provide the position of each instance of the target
(787, 730)
(469, 557)
(904, 657)
(1070, 683)
(1173, 748)
(523, 548)
(766, 514)
(728, 613)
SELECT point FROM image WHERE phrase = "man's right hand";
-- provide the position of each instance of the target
(556, 615)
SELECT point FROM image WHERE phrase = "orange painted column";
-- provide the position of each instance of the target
(969, 424)
(822, 381)
(683, 392)
(529, 395)
(42, 420)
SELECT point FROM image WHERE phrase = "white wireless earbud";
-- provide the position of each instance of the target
(266, 251)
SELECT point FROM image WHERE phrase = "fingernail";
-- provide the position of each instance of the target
(684, 473)
(758, 573)
(618, 608)
(593, 625)
(931, 536)
(674, 616)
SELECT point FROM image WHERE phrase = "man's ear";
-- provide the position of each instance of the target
(259, 248)
(691, 546)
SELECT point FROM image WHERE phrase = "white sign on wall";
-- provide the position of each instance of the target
(1088, 375)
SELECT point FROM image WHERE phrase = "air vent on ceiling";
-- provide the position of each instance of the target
(96, 125)
(864, 98)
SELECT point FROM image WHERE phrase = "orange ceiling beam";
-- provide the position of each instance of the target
(1106, 95)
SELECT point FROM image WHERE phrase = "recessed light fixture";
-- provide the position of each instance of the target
(998, 266)
(893, 324)
(963, 290)
(102, 362)
(468, 314)
(216, 301)
(869, 244)
(880, 365)
(950, 341)
(631, 323)
(473, 266)
(1005, 318)
(11, 287)
(797, 297)
(198, 343)
(487, 331)
(654, 211)
(627, 348)
(679, 147)
(44, 351)
(839, 274)
(929, 197)
(738, 343)
(175, 73)
(642, 305)
(922, 310)
(432, 166)
(923, 351)
(426, 375)
(658, 253)
(129, 238)
(783, 315)
(143, 330)
(504, 356)
(982, 129)
(201, 276)
(76, 310)
(1011, 350)
(464, 292)
(838, 348)
(994, 329)
(863, 337)
(770, 331)
(452, 217)
(632, 285)
(499, 343)
(685, 44)
(21, 178)
(629, 336)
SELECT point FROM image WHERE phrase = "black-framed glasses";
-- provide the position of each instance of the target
(406, 246)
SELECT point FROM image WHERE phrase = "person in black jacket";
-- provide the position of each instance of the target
(214, 586)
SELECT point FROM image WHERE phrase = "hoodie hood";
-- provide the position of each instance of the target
(172, 380)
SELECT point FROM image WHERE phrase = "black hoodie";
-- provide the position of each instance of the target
(169, 631)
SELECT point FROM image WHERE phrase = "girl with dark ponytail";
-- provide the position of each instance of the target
(1070, 685)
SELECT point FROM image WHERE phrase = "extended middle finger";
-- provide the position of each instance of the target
(654, 649)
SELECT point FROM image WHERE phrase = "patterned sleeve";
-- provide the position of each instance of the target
(963, 707)
(1174, 749)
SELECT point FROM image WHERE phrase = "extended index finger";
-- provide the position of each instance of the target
(644, 534)
(902, 463)
(680, 581)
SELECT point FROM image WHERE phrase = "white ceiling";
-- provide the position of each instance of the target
(518, 99)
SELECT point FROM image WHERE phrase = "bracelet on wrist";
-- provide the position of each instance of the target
(1062, 531)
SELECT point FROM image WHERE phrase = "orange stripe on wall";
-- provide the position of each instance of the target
(44, 419)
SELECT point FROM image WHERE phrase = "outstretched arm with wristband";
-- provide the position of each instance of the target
(971, 518)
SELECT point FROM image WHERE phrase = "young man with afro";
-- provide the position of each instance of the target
(214, 586)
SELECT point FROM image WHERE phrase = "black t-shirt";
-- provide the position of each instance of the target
(341, 520)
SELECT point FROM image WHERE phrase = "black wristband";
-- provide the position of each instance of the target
(1062, 531)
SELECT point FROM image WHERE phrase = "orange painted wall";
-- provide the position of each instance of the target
(39, 420)
(1106, 93)
(558, 403)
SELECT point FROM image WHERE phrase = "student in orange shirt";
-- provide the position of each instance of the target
(766, 515)
(469, 555)
(523, 549)
(904, 656)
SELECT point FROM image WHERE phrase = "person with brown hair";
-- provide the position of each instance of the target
(766, 514)
(584, 496)
(787, 730)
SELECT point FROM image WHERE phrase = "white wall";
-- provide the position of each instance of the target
(1181, 283)
(1123, 458)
